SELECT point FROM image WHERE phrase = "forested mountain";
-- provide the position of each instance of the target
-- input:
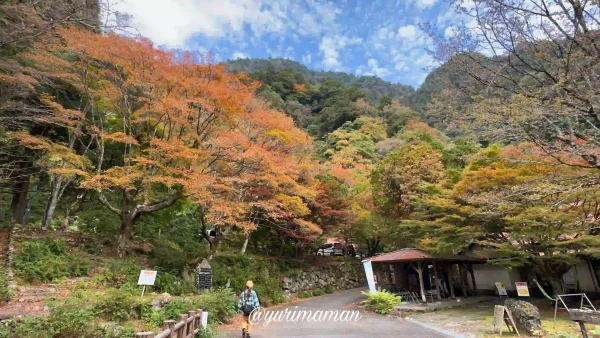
(374, 86)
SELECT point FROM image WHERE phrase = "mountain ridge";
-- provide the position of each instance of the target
(375, 86)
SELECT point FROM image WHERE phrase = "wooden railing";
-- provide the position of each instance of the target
(187, 327)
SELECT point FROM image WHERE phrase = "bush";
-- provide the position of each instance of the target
(169, 255)
(119, 305)
(329, 289)
(70, 319)
(318, 292)
(118, 273)
(5, 292)
(173, 284)
(381, 302)
(278, 298)
(46, 260)
(221, 303)
(305, 294)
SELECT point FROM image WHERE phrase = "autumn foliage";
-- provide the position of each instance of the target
(183, 129)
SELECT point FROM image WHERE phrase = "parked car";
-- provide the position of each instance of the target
(332, 249)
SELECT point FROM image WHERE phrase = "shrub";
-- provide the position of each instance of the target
(318, 292)
(305, 294)
(381, 302)
(70, 319)
(329, 289)
(221, 303)
(169, 255)
(78, 266)
(5, 292)
(45, 260)
(278, 298)
(173, 284)
(118, 273)
(119, 305)
(264, 273)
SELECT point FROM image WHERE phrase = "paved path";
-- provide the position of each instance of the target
(369, 325)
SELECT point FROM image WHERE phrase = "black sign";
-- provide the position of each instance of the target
(205, 278)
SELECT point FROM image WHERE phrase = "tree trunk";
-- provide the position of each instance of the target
(57, 184)
(246, 239)
(556, 282)
(18, 205)
(30, 202)
(125, 235)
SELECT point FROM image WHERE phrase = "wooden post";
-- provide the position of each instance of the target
(462, 280)
(389, 272)
(450, 281)
(192, 317)
(437, 281)
(183, 332)
(144, 335)
(168, 325)
(473, 279)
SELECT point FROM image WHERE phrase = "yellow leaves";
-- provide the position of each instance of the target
(293, 204)
(120, 137)
(54, 155)
(308, 227)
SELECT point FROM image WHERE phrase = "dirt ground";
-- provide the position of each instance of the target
(477, 321)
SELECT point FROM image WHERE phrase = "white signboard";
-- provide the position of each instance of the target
(522, 289)
(501, 289)
(147, 277)
(370, 277)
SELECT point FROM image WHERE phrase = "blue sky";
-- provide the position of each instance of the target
(380, 37)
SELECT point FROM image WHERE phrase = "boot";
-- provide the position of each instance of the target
(244, 333)
(248, 335)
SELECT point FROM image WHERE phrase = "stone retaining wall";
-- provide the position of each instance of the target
(345, 275)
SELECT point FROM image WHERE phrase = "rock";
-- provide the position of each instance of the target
(156, 304)
(526, 316)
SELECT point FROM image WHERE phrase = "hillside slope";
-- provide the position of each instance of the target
(373, 85)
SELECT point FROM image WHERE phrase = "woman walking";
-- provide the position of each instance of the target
(247, 303)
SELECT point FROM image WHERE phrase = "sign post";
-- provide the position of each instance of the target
(502, 314)
(147, 277)
(522, 289)
(501, 289)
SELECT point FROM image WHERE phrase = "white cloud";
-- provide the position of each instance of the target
(372, 68)
(174, 23)
(407, 32)
(450, 31)
(425, 3)
(329, 47)
(239, 55)
(307, 59)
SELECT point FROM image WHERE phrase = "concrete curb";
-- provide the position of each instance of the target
(434, 328)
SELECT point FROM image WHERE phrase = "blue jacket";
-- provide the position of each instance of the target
(253, 300)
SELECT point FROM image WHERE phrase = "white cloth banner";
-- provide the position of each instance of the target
(369, 272)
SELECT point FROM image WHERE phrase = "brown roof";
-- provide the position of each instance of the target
(414, 255)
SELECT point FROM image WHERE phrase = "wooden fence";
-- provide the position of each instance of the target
(187, 327)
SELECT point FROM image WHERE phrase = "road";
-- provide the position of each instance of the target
(369, 325)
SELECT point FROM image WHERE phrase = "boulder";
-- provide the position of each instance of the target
(526, 316)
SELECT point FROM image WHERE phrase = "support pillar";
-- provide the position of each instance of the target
(473, 279)
(463, 287)
(450, 281)
(437, 281)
